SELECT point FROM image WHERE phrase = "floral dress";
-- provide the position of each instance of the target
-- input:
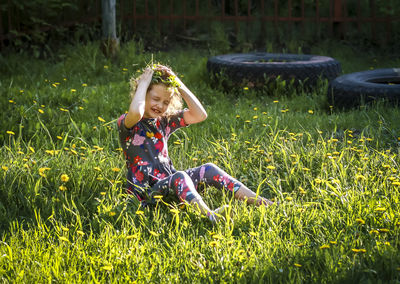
(146, 151)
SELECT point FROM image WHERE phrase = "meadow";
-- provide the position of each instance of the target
(65, 216)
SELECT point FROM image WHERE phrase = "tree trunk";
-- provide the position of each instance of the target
(110, 42)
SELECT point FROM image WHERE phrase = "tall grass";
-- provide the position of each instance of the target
(65, 216)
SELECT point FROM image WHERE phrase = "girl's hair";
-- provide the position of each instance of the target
(160, 77)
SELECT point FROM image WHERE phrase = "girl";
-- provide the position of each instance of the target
(154, 113)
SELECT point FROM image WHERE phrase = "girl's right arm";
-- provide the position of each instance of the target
(137, 106)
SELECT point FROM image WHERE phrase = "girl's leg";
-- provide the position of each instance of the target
(210, 174)
(181, 185)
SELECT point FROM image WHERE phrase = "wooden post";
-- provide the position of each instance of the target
(110, 42)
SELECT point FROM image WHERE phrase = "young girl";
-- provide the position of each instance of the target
(154, 113)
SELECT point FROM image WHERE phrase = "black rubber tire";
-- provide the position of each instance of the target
(256, 68)
(363, 87)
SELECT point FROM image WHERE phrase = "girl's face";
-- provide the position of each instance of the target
(157, 101)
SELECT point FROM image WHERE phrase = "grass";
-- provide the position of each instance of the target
(65, 217)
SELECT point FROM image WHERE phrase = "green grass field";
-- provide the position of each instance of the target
(65, 217)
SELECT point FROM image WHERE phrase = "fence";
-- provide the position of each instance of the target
(376, 20)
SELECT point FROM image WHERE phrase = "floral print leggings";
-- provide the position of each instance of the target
(183, 184)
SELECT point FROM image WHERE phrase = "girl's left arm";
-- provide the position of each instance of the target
(196, 112)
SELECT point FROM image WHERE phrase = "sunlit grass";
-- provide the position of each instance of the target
(65, 216)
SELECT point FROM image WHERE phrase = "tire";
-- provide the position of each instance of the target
(364, 87)
(255, 69)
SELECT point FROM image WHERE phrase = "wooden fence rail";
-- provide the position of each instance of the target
(165, 15)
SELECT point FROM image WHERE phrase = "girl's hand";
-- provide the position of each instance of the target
(145, 78)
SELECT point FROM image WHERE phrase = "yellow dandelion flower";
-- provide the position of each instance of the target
(4, 168)
(255, 117)
(116, 170)
(333, 242)
(384, 230)
(360, 221)
(101, 119)
(271, 167)
(326, 246)
(64, 239)
(112, 213)
(254, 234)
(105, 66)
(306, 169)
(255, 108)
(10, 132)
(289, 198)
(310, 111)
(103, 193)
(62, 188)
(84, 85)
(42, 171)
(73, 90)
(124, 69)
(380, 209)
(297, 265)
(246, 88)
(64, 178)
(139, 212)
(275, 102)
(213, 244)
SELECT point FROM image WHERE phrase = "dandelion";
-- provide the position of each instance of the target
(383, 230)
(63, 109)
(297, 265)
(310, 111)
(105, 66)
(289, 198)
(237, 116)
(275, 102)
(42, 171)
(64, 178)
(360, 221)
(271, 167)
(103, 193)
(64, 239)
(139, 212)
(4, 168)
(359, 250)
(101, 119)
(84, 85)
(246, 88)
(333, 242)
(111, 213)
(97, 169)
(380, 209)
(62, 188)
(116, 170)
(213, 244)
(255, 117)
(10, 132)
(254, 234)
(326, 246)
(306, 169)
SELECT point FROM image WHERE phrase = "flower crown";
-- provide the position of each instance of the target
(163, 77)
